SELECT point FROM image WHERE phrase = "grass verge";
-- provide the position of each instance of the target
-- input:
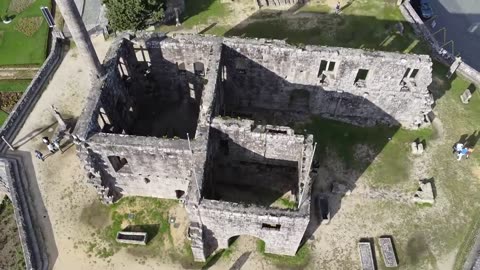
(14, 85)
(17, 48)
(299, 261)
(131, 214)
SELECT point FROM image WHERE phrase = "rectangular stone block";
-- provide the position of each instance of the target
(466, 96)
(388, 253)
(366, 256)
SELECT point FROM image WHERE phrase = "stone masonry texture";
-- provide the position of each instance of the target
(206, 120)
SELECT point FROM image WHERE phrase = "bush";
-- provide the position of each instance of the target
(133, 14)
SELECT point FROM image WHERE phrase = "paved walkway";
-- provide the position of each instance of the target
(460, 20)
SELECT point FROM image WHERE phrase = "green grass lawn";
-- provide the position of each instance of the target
(389, 145)
(16, 48)
(129, 214)
(200, 11)
(13, 85)
(363, 24)
(135, 214)
(3, 117)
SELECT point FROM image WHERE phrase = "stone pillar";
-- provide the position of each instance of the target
(80, 36)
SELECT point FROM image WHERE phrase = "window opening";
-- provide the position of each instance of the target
(331, 66)
(360, 79)
(414, 73)
(199, 69)
(118, 163)
(267, 226)
(241, 65)
(181, 68)
(224, 73)
(323, 67)
(179, 193)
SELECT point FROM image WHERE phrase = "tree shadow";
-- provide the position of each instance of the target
(195, 7)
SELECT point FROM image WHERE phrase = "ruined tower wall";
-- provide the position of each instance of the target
(155, 167)
(268, 159)
(280, 77)
(258, 145)
(254, 221)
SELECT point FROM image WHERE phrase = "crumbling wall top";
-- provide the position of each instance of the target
(224, 206)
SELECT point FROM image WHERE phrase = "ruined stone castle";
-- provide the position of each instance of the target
(207, 120)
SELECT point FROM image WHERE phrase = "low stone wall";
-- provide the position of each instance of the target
(24, 106)
(438, 52)
(34, 252)
(279, 3)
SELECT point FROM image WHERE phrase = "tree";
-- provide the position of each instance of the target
(133, 14)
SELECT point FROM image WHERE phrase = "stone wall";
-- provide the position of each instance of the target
(274, 76)
(250, 77)
(281, 230)
(261, 142)
(157, 167)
